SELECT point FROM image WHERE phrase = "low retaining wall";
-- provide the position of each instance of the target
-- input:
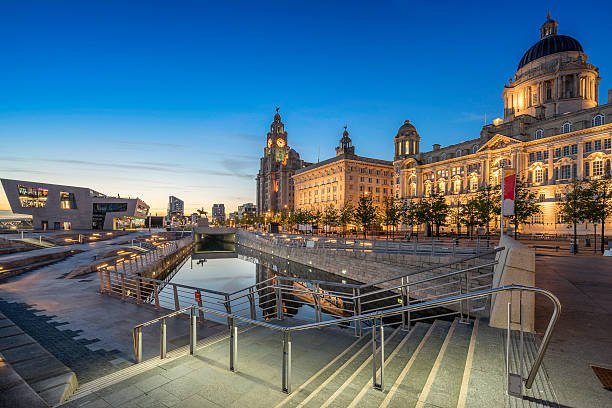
(365, 267)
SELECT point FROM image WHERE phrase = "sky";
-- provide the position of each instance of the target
(158, 98)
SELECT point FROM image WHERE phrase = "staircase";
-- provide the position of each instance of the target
(443, 364)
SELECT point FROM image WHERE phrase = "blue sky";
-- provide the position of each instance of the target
(175, 98)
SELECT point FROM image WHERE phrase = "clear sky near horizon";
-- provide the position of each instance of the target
(153, 98)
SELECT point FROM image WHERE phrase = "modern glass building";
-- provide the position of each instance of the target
(57, 207)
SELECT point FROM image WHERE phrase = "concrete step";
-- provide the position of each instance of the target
(395, 363)
(444, 382)
(409, 385)
(484, 381)
(362, 377)
(344, 374)
(45, 374)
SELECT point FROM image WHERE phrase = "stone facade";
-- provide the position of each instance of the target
(277, 166)
(342, 179)
(554, 131)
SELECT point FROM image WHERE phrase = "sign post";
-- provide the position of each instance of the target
(508, 193)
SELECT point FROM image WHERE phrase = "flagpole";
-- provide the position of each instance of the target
(501, 212)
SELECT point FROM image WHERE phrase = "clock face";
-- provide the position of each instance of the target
(269, 142)
(280, 142)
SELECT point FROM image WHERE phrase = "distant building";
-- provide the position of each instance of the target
(247, 210)
(195, 217)
(176, 207)
(343, 179)
(277, 166)
(61, 207)
(218, 213)
(233, 216)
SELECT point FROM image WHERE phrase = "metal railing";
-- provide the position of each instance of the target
(377, 325)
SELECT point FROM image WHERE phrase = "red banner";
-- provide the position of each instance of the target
(509, 191)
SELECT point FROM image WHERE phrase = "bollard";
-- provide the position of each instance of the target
(193, 338)
(162, 340)
(286, 370)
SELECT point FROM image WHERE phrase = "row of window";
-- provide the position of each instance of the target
(566, 127)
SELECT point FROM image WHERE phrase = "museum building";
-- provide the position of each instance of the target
(554, 131)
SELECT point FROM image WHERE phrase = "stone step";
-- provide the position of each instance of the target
(362, 377)
(319, 395)
(409, 385)
(445, 379)
(45, 374)
(394, 364)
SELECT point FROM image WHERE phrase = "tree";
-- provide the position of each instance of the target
(330, 217)
(469, 216)
(488, 204)
(391, 214)
(433, 211)
(365, 213)
(410, 215)
(525, 205)
(574, 208)
(600, 203)
(346, 216)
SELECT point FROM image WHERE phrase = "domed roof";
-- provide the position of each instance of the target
(407, 130)
(550, 45)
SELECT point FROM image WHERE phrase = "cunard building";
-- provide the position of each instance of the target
(554, 130)
(274, 183)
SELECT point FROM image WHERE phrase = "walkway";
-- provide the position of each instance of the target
(584, 331)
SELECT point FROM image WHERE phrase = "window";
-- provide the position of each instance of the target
(539, 156)
(542, 197)
(429, 160)
(32, 197)
(443, 156)
(607, 143)
(598, 145)
(598, 120)
(588, 147)
(537, 218)
(474, 148)
(566, 150)
(531, 157)
(545, 154)
(566, 128)
(457, 186)
(574, 149)
(109, 207)
(566, 172)
(538, 134)
(539, 176)
(458, 153)
(474, 184)
(557, 152)
(586, 169)
(597, 168)
(67, 201)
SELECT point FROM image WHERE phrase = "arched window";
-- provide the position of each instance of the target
(443, 156)
(538, 134)
(567, 127)
(458, 153)
(474, 148)
(598, 120)
(429, 160)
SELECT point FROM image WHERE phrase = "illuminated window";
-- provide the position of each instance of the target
(474, 183)
(32, 197)
(457, 186)
(598, 120)
(67, 201)
(597, 168)
(539, 176)
(566, 172)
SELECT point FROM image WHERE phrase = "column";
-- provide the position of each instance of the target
(419, 182)
(551, 167)
(484, 171)
(580, 161)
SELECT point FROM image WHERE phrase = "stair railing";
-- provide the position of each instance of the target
(374, 317)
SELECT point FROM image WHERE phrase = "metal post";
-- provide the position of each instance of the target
(405, 302)
(355, 311)
(193, 338)
(138, 291)
(123, 286)
(228, 308)
(317, 303)
(162, 340)
(359, 322)
(286, 370)
(176, 299)
(137, 337)
(252, 309)
(233, 345)
(279, 303)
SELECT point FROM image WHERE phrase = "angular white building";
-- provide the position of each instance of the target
(57, 207)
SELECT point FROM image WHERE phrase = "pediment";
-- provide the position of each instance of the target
(499, 142)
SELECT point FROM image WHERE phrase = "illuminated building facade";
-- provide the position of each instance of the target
(57, 207)
(218, 213)
(342, 179)
(554, 131)
(277, 166)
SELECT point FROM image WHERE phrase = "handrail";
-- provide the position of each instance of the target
(159, 319)
(403, 309)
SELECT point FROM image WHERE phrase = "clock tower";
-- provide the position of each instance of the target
(277, 166)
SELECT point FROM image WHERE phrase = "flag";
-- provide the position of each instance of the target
(509, 191)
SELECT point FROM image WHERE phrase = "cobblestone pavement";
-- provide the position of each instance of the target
(87, 364)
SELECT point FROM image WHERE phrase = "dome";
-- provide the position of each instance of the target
(407, 130)
(550, 45)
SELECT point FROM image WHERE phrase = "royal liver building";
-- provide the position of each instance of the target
(277, 166)
(554, 130)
